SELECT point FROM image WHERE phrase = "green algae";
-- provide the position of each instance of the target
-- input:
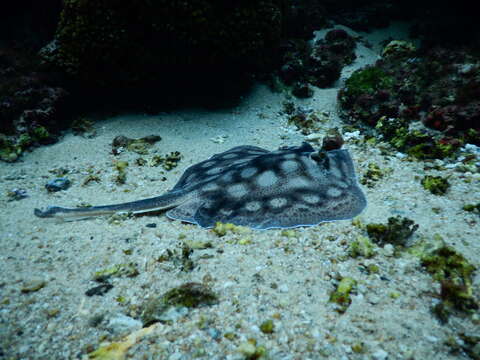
(341, 295)
(119, 270)
(121, 167)
(398, 49)
(40, 134)
(188, 295)
(361, 247)
(307, 123)
(372, 175)
(396, 232)
(455, 275)
(139, 146)
(221, 229)
(437, 185)
(9, 152)
(367, 81)
(179, 258)
(475, 208)
(252, 351)
(168, 162)
(267, 327)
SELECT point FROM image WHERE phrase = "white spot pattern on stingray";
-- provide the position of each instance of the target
(253, 206)
(226, 212)
(278, 202)
(227, 177)
(289, 165)
(248, 172)
(211, 187)
(267, 178)
(333, 192)
(298, 182)
(237, 190)
(311, 198)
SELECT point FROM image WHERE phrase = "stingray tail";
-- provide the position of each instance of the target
(165, 201)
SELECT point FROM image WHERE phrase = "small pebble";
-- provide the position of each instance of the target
(99, 290)
(151, 225)
(351, 135)
(16, 194)
(58, 184)
(247, 349)
(33, 286)
(380, 355)
(122, 324)
(388, 250)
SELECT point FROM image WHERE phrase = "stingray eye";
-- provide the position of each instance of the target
(321, 158)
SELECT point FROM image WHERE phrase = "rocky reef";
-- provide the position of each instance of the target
(422, 101)
(105, 44)
(110, 55)
(319, 64)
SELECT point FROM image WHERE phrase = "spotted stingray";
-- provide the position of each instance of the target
(250, 186)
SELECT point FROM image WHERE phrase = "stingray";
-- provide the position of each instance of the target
(250, 186)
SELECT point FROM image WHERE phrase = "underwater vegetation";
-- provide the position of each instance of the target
(424, 102)
(396, 232)
(188, 295)
(31, 105)
(341, 295)
(475, 208)
(455, 275)
(437, 185)
(361, 247)
(140, 146)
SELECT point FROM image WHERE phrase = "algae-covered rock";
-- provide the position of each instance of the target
(372, 175)
(399, 49)
(119, 270)
(140, 146)
(58, 184)
(252, 351)
(437, 185)
(395, 232)
(121, 167)
(179, 258)
(455, 275)
(189, 295)
(34, 285)
(361, 247)
(127, 43)
(168, 162)
(475, 208)
(417, 100)
(341, 296)
(267, 327)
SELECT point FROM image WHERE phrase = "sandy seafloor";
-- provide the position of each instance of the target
(284, 278)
